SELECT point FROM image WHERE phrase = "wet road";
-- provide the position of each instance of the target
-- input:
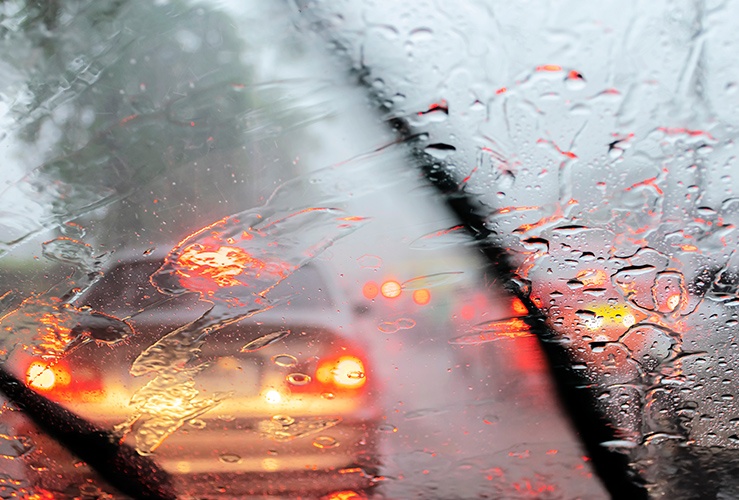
(465, 414)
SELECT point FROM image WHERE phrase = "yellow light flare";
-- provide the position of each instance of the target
(270, 464)
(273, 397)
(54, 336)
(592, 277)
(344, 495)
(41, 377)
(222, 266)
(519, 307)
(390, 289)
(549, 67)
(613, 315)
(628, 320)
(511, 328)
(673, 301)
(347, 372)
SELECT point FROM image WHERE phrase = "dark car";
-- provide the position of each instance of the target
(285, 393)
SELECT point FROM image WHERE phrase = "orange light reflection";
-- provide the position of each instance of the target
(221, 266)
(421, 296)
(370, 290)
(54, 336)
(592, 277)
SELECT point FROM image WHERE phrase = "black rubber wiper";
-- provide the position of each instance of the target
(119, 464)
(593, 426)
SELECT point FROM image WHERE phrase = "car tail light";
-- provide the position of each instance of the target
(273, 396)
(393, 289)
(345, 372)
(344, 495)
(421, 296)
(41, 494)
(370, 290)
(43, 377)
(58, 381)
(390, 289)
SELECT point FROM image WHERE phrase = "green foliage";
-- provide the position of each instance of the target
(133, 103)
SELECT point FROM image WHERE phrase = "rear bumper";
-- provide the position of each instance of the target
(235, 459)
(298, 484)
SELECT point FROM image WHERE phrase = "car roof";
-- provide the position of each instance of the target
(306, 296)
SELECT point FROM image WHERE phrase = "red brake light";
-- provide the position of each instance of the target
(346, 372)
(42, 377)
(370, 290)
(61, 383)
(467, 312)
(421, 296)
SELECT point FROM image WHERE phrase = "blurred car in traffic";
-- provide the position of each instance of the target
(262, 400)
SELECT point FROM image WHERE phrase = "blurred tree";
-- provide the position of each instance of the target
(144, 112)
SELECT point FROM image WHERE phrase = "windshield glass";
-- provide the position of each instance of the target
(347, 250)
(594, 147)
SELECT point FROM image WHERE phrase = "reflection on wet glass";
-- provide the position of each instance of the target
(207, 230)
(266, 340)
(606, 175)
(285, 360)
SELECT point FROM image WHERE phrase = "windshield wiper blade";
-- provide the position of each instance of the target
(592, 425)
(119, 464)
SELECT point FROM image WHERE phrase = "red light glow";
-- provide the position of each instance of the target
(592, 277)
(42, 377)
(467, 312)
(370, 290)
(421, 296)
(344, 495)
(347, 372)
(220, 265)
(549, 67)
(518, 306)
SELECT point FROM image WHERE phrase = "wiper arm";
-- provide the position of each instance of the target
(592, 425)
(119, 464)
